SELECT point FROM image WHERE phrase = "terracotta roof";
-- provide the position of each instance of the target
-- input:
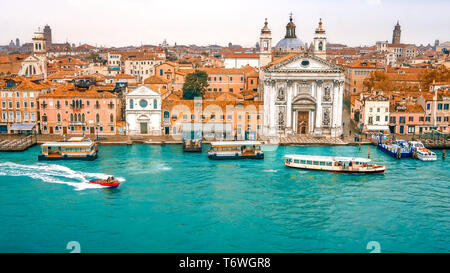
(280, 60)
(69, 91)
(155, 79)
(124, 76)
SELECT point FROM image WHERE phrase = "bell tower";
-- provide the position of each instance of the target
(320, 42)
(39, 45)
(265, 44)
(396, 34)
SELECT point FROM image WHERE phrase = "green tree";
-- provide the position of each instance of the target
(195, 85)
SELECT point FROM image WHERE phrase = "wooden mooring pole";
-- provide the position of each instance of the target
(368, 151)
(443, 154)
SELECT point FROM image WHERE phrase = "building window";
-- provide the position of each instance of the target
(411, 118)
(155, 104)
(131, 104)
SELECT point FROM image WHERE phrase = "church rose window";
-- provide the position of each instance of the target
(143, 103)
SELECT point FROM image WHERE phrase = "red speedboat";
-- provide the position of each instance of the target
(113, 183)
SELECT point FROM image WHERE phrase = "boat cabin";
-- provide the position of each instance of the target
(236, 150)
(332, 163)
(75, 148)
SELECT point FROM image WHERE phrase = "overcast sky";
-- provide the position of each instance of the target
(203, 22)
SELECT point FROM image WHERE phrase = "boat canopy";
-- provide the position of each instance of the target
(67, 144)
(235, 143)
(329, 158)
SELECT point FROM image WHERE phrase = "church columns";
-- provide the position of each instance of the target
(289, 91)
(319, 104)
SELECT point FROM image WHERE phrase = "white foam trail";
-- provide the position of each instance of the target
(53, 173)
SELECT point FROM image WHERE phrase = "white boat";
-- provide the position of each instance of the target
(80, 148)
(333, 164)
(422, 153)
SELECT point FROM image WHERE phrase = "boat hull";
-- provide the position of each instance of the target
(102, 183)
(231, 157)
(394, 154)
(380, 169)
(51, 158)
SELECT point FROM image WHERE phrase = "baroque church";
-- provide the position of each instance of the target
(303, 92)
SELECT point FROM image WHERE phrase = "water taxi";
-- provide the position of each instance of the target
(111, 182)
(422, 153)
(333, 164)
(235, 150)
(80, 148)
(398, 149)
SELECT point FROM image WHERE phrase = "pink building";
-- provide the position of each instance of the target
(72, 110)
(407, 118)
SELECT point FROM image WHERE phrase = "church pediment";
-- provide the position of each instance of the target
(303, 63)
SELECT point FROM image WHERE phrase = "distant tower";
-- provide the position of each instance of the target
(320, 42)
(17, 42)
(396, 35)
(48, 35)
(265, 43)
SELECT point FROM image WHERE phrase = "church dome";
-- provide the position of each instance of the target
(290, 41)
(290, 44)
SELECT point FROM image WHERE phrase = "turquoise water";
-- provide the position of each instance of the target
(172, 201)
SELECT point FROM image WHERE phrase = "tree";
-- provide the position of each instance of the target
(195, 85)
(378, 80)
(427, 77)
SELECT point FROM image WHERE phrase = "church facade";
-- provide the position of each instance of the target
(303, 93)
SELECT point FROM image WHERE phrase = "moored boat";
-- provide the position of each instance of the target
(79, 148)
(398, 149)
(235, 150)
(422, 153)
(333, 164)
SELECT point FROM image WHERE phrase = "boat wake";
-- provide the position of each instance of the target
(53, 173)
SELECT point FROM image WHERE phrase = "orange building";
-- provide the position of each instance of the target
(218, 119)
(19, 101)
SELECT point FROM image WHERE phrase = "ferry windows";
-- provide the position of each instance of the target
(296, 161)
(316, 163)
(309, 162)
(322, 163)
(302, 161)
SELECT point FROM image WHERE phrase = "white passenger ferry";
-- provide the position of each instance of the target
(235, 150)
(80, 148)
(333, 164)
(422, 153)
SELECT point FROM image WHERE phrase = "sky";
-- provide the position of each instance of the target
(204, 22)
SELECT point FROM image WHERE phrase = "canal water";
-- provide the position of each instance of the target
(171, 201)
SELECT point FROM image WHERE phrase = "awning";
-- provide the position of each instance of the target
(22, 126)
(377, 127)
